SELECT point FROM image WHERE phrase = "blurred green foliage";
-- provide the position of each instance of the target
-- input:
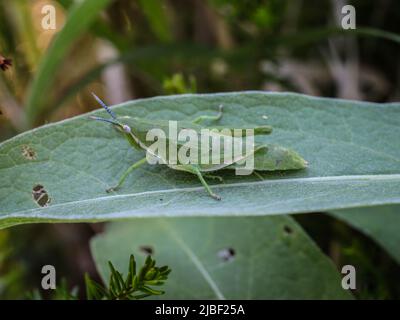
(178, 85)
(11, 271)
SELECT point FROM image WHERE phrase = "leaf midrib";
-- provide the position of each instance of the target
(194, 259)
(378, 177)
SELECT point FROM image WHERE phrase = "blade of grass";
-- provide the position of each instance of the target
(81, 15)
(310, 36)
(155, 13)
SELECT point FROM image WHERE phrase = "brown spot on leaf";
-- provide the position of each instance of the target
(28, 152)
(148, 250)
(40, 195)
(226, 254)
(287, 229)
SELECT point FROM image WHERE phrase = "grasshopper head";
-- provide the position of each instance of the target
(121, 126)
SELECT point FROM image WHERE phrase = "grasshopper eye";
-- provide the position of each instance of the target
(126, 128)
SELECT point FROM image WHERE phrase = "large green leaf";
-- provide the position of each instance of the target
(353, 150)
(232, 258)
(80, 16)
(381, 223)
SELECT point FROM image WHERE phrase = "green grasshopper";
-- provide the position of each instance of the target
(267, 157)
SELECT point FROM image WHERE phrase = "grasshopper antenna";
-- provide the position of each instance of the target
(102, 119)
(112, 114)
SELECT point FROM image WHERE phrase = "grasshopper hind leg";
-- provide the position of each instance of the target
(195, 170)
(206, 186)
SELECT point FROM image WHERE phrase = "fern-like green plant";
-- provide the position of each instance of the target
(137, 285)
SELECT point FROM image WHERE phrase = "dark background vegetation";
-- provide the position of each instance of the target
(180, 46)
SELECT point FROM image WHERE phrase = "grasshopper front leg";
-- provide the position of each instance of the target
(126, 173)
(195, 170)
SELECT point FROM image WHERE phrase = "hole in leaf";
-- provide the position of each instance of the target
(287, 229)
(40, 195)
(148, 250)
(28, 152)
(226, 254)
